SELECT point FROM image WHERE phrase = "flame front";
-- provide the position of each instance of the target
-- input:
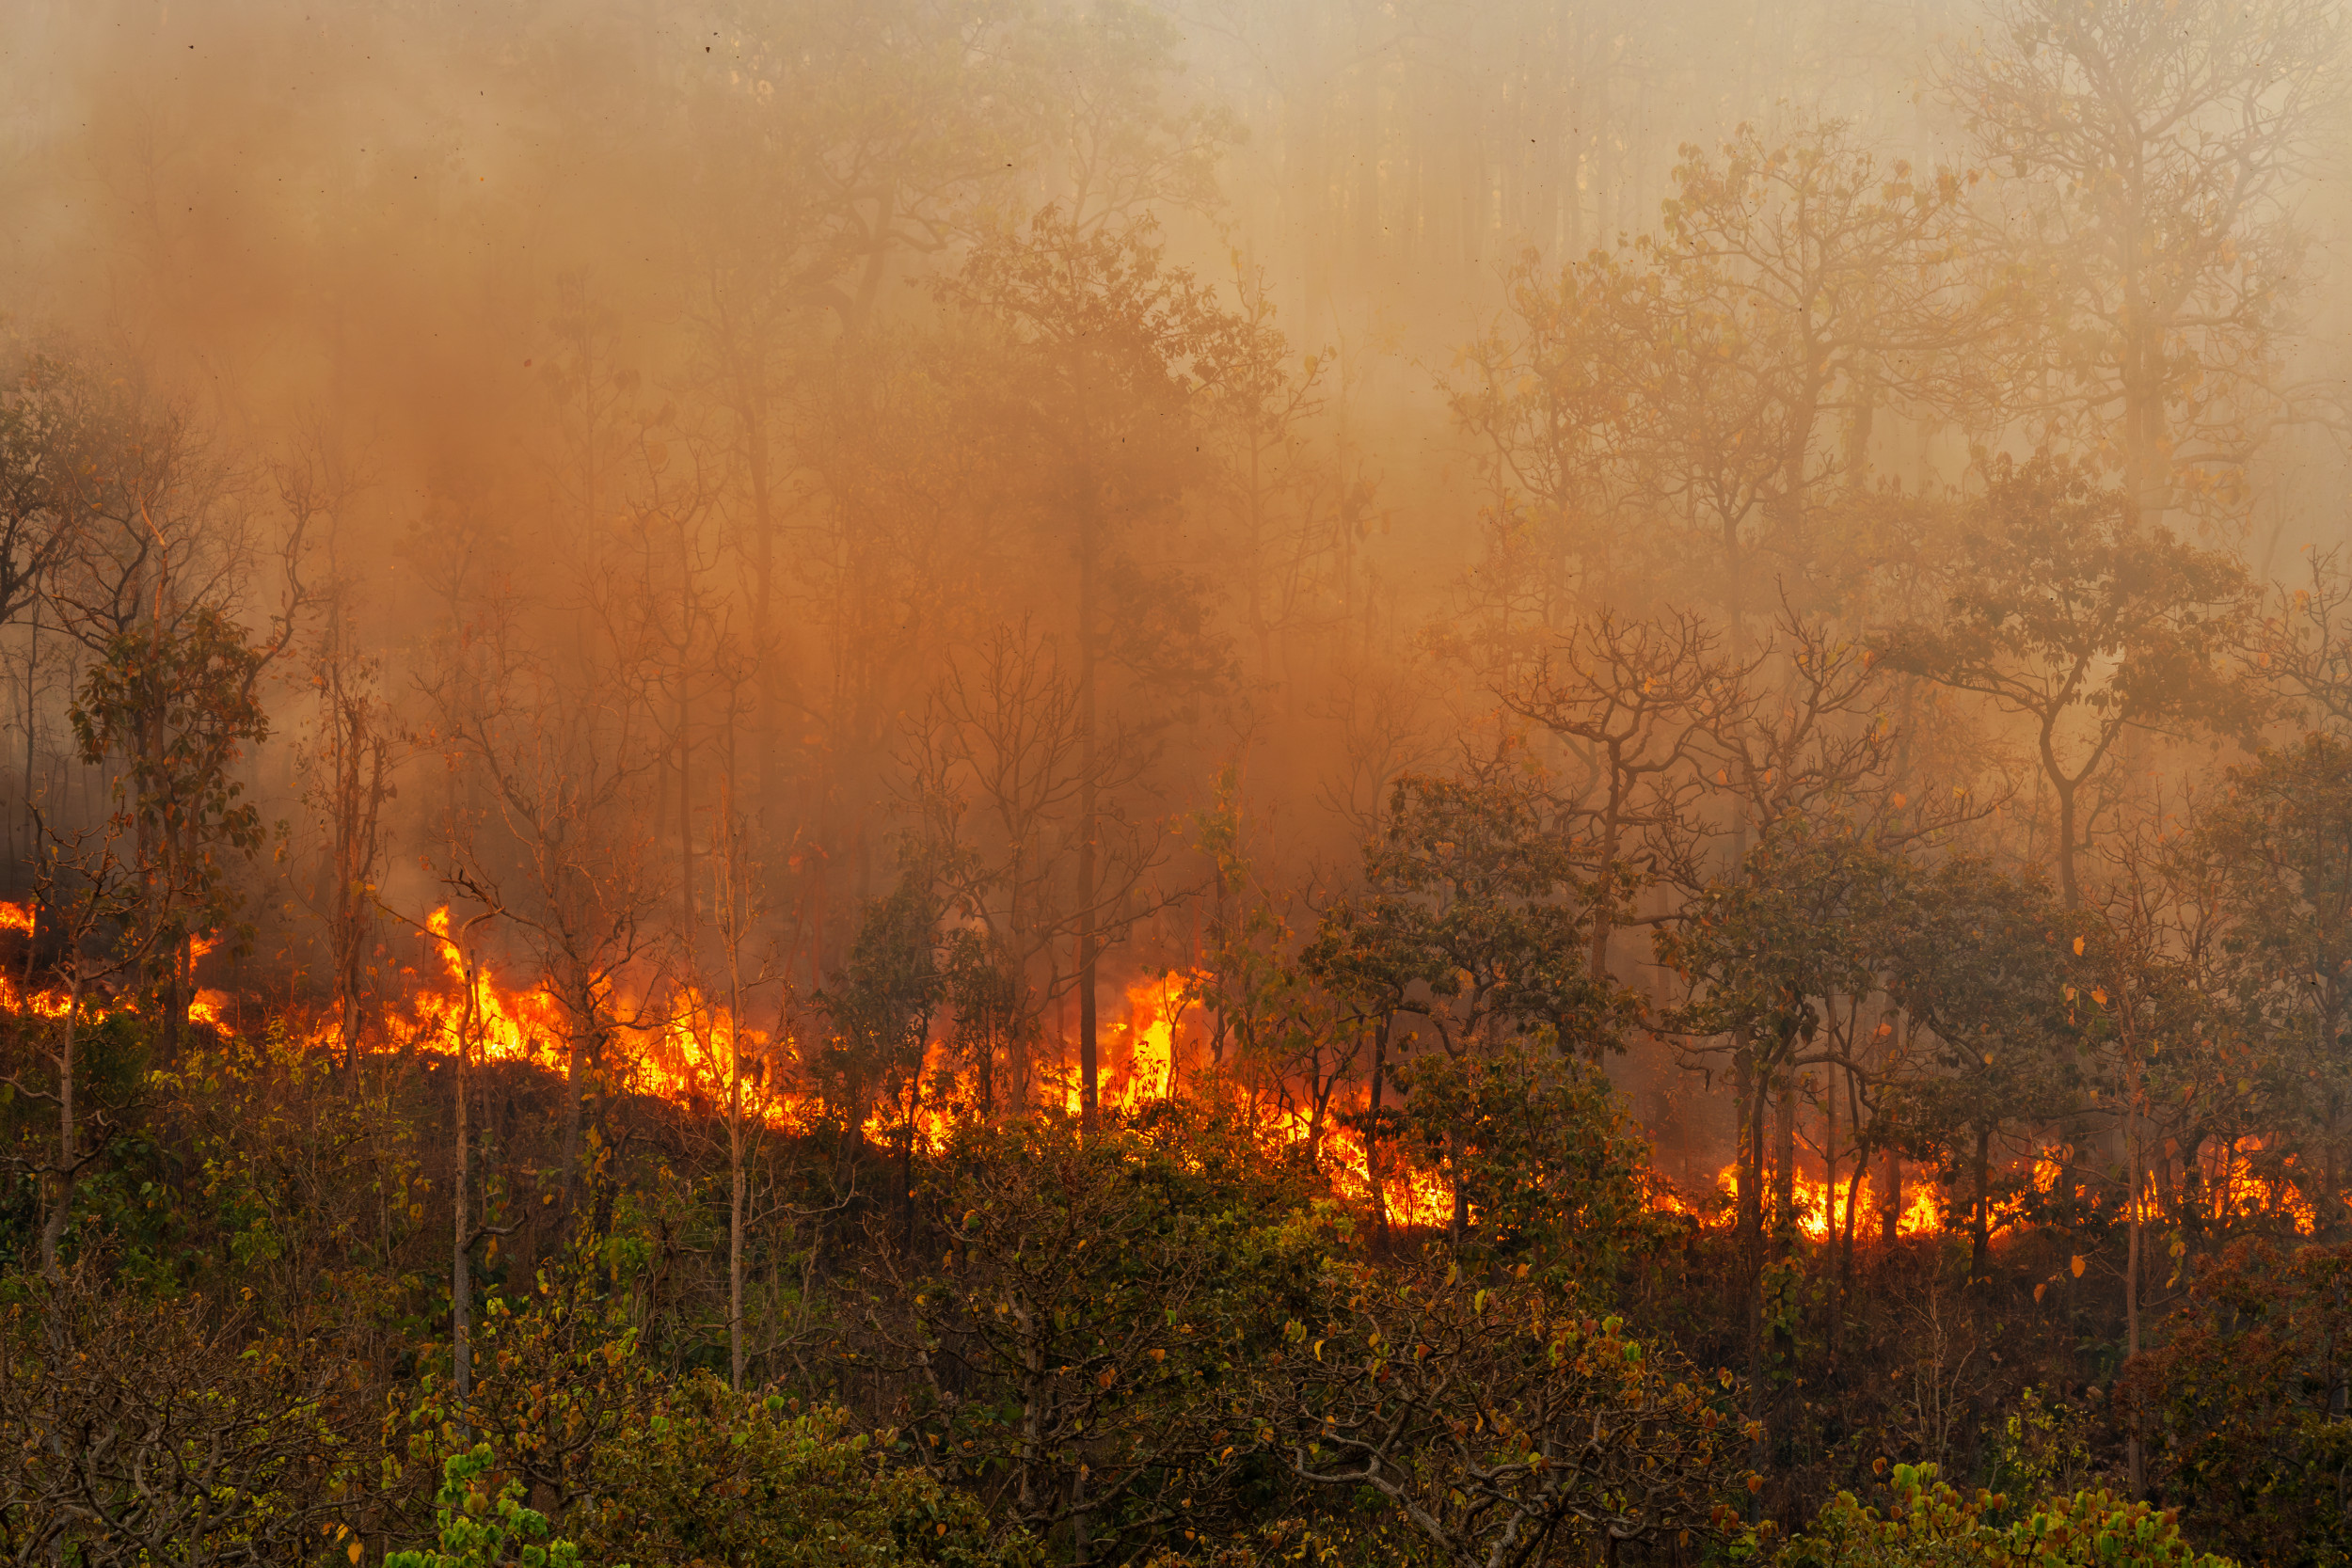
(688, 1050)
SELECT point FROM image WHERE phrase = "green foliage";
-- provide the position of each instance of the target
(1552, 1171)
(2244, 1407)
(1804, 922)
(2279, 840)
(138, 1432)
(1475, 918)
(558, 1377)
(1980, 956)
(110, 1197)
(2042, 1446)
(881, 1003)
(1493, 1414)
(179, 703)
(714, 1477)
(482, 1528)
(1926, 1523)
(303, 1179)
(2062, 603)
(1072, 1347)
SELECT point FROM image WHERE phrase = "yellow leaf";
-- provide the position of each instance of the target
(2078, 1265)
(354, 1551)
(2078, 946)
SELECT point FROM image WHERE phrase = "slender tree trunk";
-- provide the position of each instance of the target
(1090, 1066)
(735, 1193)
(1981, 1226)
(1785, 1229)
(2069, 888)
(1750, 1224)
(61, 1191)
(461, 1248)
(685, 812)
(770, 719)
(1828, 1152)
(1749, 1219)
(2133, 1457)
(32, 666)
(1845, 1260)
(1457, 1229)
(1371, 1135)
(1604, 906)
(1785, 1162)
(575, 1110)
(2331, 1205)
(1833, 1223)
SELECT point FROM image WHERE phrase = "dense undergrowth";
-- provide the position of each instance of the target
(1167, 1342)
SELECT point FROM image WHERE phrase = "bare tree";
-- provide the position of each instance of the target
(1005, 772)
(459, 938)
(1633, 702)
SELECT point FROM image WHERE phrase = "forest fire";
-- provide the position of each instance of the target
(1821, 1208)
(1105, 782)
(682, 1051)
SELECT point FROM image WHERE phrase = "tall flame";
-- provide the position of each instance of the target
(1822, 1206)
(688, 1049)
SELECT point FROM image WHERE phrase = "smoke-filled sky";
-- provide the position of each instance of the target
(1083, 456)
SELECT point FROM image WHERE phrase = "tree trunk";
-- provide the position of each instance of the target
(685, 812)
(1980, 1227)
(1371, 1135)
(1458, 1229)
(2132, 1458)
(735, 1188)
(1090, 1066)
(61, 1193)
(2068, 887)
(32, 667)
(1785, 1163)
(460, 1264)
(1748, 1220)
(574, 1114)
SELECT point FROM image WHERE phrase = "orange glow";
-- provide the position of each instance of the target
(1411, 1195)
(1821, 1209)
(686, 1049)
(2238, 1191)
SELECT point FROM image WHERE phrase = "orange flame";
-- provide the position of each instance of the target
(1820, 1207)
(689, 1049)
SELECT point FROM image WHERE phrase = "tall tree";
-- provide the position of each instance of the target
(1001, 778)
(1107, 347)
(158, 583)
(2281, 831)
(2064, 611)
(2151, 253)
